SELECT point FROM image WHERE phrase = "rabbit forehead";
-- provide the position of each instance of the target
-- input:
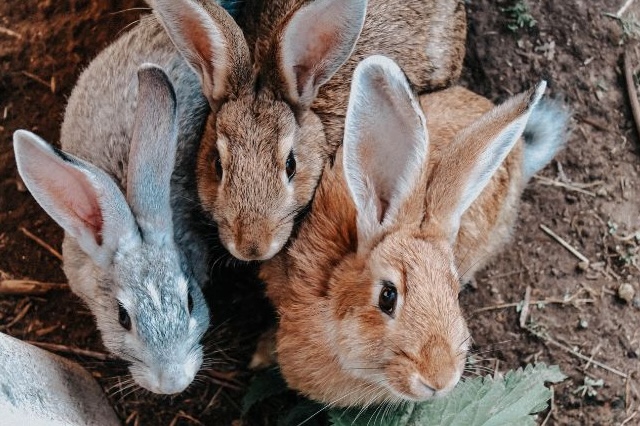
(151, 284)
(256, 121)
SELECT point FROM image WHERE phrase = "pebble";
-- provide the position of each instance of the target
(626, 292)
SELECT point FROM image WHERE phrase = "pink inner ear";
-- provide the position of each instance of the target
(77, 199)
(312, 65)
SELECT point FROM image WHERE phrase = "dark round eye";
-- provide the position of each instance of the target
(291, 165)
(388, 298)
(218, 165)
(190, 302)
(123, 317)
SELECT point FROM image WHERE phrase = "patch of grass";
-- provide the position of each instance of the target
(519, 16)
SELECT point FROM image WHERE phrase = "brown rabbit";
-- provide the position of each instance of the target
(279, 93)
(367, 292)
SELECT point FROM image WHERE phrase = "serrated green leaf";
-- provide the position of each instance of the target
(483, 401)
(264, 385)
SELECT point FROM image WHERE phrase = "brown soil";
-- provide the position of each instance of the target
(589, 197)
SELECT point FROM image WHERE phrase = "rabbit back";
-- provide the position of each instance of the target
(99, 121)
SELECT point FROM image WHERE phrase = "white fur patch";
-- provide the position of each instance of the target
(153, 292)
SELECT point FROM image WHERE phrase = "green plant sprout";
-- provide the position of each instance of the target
(519, 16)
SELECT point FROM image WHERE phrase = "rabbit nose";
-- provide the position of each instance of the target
(173, 379)
(251, 243)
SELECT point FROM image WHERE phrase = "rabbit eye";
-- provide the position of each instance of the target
(291, 165)
(218, 165)
(123, 317)
(388, 298)
(190, 303)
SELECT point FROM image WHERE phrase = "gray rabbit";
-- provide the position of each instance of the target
(112, 191)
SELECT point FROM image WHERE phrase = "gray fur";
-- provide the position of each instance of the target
(38, 388)
(149, 278)
(545, 134)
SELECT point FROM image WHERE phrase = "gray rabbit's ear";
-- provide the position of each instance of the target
(80, 197)
(210, 41)
(471, 160)
(385, 144)
(152, 154)
(315, 43)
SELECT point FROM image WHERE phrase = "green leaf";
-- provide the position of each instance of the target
(264, 385)
(483, 401)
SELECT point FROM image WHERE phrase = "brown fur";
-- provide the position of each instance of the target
(253, 205)
(333, 343)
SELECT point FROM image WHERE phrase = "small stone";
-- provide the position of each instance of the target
(583, 324)
(626, 292)
(602, 192)
(583, 265)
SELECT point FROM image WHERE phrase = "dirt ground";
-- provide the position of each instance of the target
(589, 197)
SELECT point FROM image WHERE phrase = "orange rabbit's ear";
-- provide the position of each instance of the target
(210, 41)
(385, 144)
(470, 161)
(315, 43)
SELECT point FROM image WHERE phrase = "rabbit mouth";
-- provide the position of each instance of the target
(166, 379)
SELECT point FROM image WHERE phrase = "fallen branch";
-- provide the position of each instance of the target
(550, 182)
(577, 354)
(624, 7)
(52, 347)
(21, 314)
(565, 244)
(11, 33)
(569, 301)
(28, 287)
(631, 90)
(42, 243)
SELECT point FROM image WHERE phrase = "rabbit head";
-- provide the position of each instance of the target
(119, 251)
(367, 292)
(263, 149)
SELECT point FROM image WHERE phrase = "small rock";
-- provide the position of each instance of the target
(626, 292)
(583, 324)
(583, 265)
(602, 192)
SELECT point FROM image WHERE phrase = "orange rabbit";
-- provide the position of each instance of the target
(367, 293)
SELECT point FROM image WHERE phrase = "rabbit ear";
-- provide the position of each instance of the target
(316, 41)
(152, 154)
(469, 163)
(209, 40)
(81, 198)
(385, 144)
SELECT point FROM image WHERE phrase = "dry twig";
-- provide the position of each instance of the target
(21, 314)
(552, 406)
(11, 33)
(577, 354)
(28, 287)
(569, 301)
(564, 244)
(42, 243)
(550, 182)
(628, 419)
(52, 347)
(624, 7)
(37, 79)
(631, 89)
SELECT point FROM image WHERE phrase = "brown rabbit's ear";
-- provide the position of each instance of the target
(469, 163)
(315, 42)
(385, 144)
(209, 40)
